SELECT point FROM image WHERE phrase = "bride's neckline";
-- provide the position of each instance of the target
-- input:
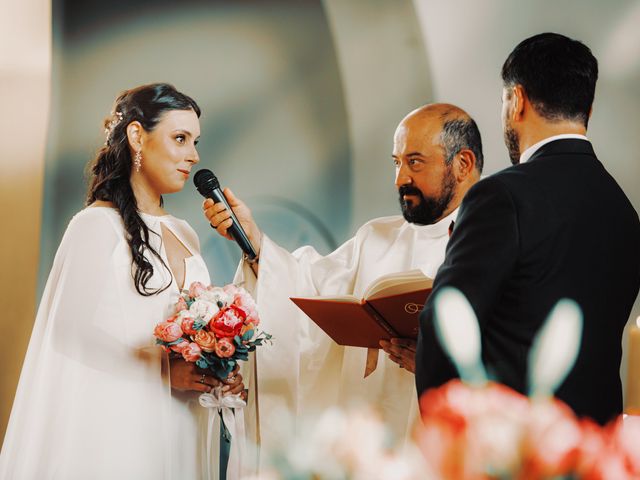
(166, 215)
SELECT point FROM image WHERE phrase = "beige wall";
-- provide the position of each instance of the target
(25, 70)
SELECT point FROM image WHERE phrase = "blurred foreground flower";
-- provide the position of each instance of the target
(487, 432)
(344, 445)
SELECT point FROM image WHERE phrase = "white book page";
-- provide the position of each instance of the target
(397, 283)
(338, 298)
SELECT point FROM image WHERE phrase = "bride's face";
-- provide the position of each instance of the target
(169, 152)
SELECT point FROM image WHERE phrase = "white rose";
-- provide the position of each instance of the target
(203, 309)
(216, 295)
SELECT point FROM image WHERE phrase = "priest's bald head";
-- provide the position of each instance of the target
(437, 152)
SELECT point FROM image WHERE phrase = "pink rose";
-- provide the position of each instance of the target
(181, 305)
(196, 289)
(627, 434)
(594, 454)
(168, 331)
(228, 322)
(466, 430)
(192, 352)
(225, 348)
(231, 289)
(206, 340)
(552, 439)
(179, 347)
(244, 301)
(187, 326)
(251, 314)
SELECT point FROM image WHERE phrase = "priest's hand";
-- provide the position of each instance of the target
(220, 218)
(401, 351)
(185, 377)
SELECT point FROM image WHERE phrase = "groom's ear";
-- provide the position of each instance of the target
(134, 135)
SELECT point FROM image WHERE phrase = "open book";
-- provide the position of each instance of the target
(390, 307)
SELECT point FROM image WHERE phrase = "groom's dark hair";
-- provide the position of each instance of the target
(558, 74)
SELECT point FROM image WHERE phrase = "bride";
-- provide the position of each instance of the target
(96, 398)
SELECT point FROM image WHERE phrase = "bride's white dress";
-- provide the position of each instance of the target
(94, 399)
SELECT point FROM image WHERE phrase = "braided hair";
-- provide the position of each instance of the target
(111, 169)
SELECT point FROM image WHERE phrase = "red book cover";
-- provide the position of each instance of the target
(391, 308)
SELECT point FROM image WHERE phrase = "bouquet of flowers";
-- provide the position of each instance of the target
(492, 431)
(213, 327)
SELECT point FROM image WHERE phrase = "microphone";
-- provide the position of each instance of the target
(209, 187)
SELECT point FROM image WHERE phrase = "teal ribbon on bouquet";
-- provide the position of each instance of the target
(230, 409)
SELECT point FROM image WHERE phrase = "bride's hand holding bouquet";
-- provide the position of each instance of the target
(211, 329)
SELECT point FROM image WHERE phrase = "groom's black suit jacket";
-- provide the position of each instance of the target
(556, 226)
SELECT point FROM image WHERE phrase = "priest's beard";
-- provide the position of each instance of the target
(428, 210)
(512, 141)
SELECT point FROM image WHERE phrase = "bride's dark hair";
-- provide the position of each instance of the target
(111, 169)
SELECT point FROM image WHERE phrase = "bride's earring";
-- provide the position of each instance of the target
(137, 160)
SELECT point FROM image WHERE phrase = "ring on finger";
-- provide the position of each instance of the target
(203, 378)
(231, 379)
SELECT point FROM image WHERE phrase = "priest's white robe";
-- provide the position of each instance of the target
(93, 401)
(305, 371)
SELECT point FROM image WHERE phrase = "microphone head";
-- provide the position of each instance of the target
(205, 182)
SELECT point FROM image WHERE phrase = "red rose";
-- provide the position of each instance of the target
(228, 322)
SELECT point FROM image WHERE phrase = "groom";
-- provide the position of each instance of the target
(554, 225)
(437, 155)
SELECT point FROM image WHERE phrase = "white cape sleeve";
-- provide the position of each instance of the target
(273, 374)
(92, 401)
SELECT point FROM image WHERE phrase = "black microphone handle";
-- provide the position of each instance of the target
(235, 230)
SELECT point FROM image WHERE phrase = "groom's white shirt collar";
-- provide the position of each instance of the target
(528, 153)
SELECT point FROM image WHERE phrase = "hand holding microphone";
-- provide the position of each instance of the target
(227, 214)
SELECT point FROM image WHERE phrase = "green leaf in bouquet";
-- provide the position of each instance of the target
(263, 337)
(248, 335)
(211, 358)
(223, 367)
(175, 342)
(237, 340)
(202, 363)
(199, 324)
(244, 356)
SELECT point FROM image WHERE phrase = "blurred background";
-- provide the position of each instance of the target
(300, 100)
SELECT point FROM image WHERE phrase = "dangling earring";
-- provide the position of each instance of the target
(137, 160)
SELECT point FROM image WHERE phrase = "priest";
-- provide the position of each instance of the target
(437, 155)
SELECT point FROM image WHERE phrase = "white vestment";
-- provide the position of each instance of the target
(94, 399)
(305, 371)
